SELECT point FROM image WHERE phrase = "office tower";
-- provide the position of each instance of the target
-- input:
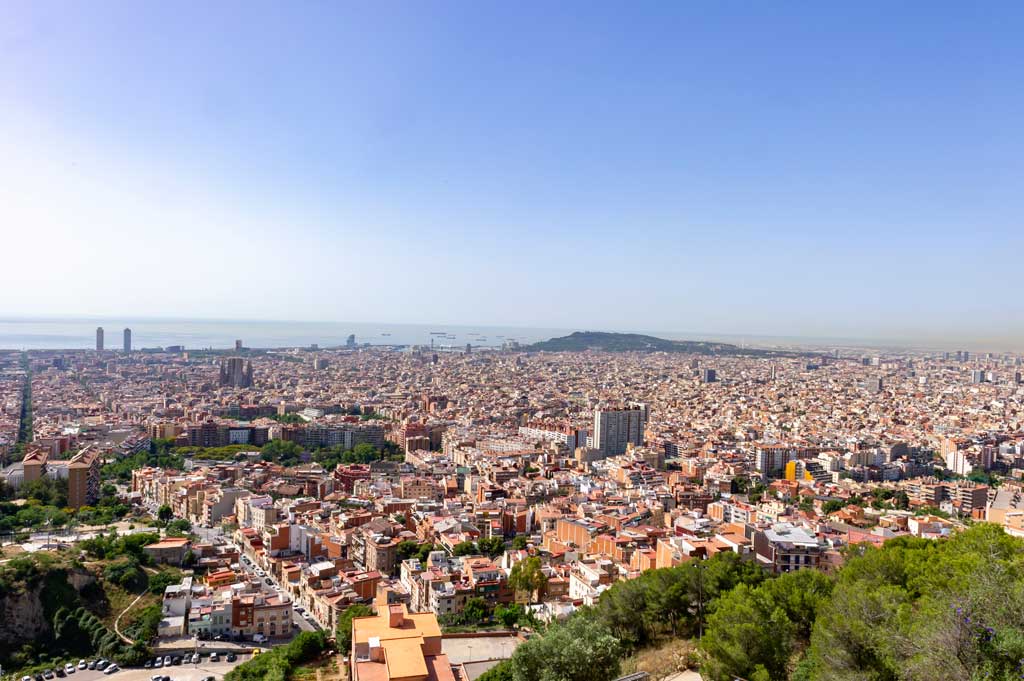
(351, 341)
(469, 348)
(874, 385)
(99, 339)
(977, 376)
(236, 373)
(709, 376)
(616, 428)
(772, 372)
(127, 341)
(835, 353)
(238, 344)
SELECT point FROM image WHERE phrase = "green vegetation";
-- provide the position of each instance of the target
(71, 628)
(487, 546)
(410, 549)
(670, 601)
(109, 546)
(580, 341)
(225, 453)
(475, 613)
(361, 453)
(287, 418)
(284, 452)
(160, 454)
(344, 631)
(279, 663)
(914, 609)
(527, 576)
(582, 649)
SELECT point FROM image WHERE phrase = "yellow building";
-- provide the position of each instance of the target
(394, 645)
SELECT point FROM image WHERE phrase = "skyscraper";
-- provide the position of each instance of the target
(127, 341)
(99, 339)
(238, 344)
(616, 428)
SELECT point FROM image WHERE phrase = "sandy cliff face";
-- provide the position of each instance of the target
(21, 616)
(24, 614)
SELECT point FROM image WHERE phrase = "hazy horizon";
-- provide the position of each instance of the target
(158, 331)
(825, 172)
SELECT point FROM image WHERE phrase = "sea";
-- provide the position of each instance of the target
(194, 334)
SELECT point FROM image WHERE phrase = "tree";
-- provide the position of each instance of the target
(579, 650)
(164, 513)
(527, 577)
(519, 542)
(285, 452)
(491, 546)
(499, 672)
(475, 610)
(466, 548)
(344, 630)
(406, 549)
(755, 631)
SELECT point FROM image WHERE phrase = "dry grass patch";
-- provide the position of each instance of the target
(663, 659)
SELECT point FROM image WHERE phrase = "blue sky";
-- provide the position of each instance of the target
(728, 167)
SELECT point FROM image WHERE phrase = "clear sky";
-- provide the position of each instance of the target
(827, 169)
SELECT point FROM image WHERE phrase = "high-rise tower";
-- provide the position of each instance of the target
(127, 341)
(99, 339)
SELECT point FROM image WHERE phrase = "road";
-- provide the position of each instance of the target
(297, 619)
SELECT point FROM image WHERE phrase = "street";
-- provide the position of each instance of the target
(301, 622)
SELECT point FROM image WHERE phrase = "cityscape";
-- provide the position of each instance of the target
(466, 496)
(451, 341)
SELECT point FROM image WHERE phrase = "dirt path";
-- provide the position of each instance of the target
(117, 622)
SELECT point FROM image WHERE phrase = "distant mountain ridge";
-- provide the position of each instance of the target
(579, 341)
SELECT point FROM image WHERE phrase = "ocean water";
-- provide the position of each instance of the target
(60, 334)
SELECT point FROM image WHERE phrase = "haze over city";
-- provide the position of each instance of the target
(847, 172)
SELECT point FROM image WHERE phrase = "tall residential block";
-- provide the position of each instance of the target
(614, 429)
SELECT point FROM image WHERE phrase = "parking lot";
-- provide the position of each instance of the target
(184, 672)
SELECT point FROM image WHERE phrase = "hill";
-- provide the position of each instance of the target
(579, 341)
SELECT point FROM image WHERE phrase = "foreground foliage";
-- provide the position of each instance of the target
(913, 610)
(277, 664)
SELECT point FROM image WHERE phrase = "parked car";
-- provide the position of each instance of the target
(69, 668)
(91, 665)
(82, 664)
(26, 678)
(195, 658)
(102, 663)
(158, 662)
(60, 672)
(48, 674)
(214, 657)
(112, 669)
(232, 657)
(148, 664)
(167, 660)
(209, 678)
(176, 660)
